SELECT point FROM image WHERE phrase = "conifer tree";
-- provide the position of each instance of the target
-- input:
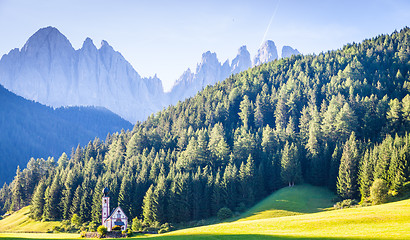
(37, 203)
(52, 209)
(290, 165)
(365, 175)
(347, 186)
(17, 191)
(97, 202)
(149, 206)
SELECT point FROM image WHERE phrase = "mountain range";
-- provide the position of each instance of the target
(48, 70)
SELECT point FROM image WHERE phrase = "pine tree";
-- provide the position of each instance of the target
(347, 186)
(396, 171)
(246, 112)
(365, 175)
(37, 203)
(291, 172)
(52, 209)
(17, 191)
(125, 195)
(75, 204)
(149, 206)
(96, 208)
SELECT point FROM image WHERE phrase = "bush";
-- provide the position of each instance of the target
(224, 213)
(82, 234)
(137, 225)
(56, 229)
(102, 230)
(76, 220)
(347, 203)
(378, 191)
(92, 227)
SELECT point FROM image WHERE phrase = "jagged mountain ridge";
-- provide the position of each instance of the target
(50, 71)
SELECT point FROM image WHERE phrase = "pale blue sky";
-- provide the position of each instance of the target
(167, 37)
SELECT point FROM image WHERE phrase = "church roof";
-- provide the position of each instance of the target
(115, 210)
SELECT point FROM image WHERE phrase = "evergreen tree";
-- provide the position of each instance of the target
(52, 209)
(96, 208)
(366, 175)
(37, 203)
(291, 170)
(347, 186)
(149, 206)
(17, 191)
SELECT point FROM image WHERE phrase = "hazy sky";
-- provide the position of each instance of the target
(167, 37)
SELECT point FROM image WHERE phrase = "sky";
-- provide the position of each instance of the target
(168, 37)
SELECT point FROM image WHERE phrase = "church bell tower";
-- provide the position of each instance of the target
(105, 205)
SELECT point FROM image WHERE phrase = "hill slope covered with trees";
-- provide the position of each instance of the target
(338, 119)
(29, 129)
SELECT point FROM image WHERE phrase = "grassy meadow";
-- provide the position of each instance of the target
(20, 222)
(301, 212)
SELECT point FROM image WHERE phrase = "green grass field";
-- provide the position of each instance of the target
(287, 201)
(20, 222)
(266, 220)
(388, 221)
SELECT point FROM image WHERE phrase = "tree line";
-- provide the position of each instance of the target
(338, 119)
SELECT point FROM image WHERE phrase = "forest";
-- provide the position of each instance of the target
(339, 119)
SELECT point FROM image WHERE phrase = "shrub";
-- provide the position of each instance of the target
(347, 203)
(378, 191)
(136, 225)
(102, 230)
(224, 213)
(82, 234)
(56, 229)
(76, 220)
(92, 227)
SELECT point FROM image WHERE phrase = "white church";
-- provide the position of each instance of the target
(114, 218)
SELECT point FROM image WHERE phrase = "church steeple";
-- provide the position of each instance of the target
(105, 205)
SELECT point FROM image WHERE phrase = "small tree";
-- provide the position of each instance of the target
(378, 191)
(76, 220)
(224, 213)
(102, 230)
(136, 224)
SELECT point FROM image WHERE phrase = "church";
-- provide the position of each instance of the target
(114, 218)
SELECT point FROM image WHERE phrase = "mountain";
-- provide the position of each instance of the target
(50, 71)
(266, 53)
(288, 52)
(30, 129)
(208, 72)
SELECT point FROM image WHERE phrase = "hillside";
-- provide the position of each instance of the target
(20, 222)
(288, 201)
(30, 129)
(387, 221)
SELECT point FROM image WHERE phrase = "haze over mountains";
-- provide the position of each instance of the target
(50, 71)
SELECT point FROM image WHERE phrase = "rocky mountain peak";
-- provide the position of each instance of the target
(288, 51)
(242, 61)
(266, 53)
(47, 39)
